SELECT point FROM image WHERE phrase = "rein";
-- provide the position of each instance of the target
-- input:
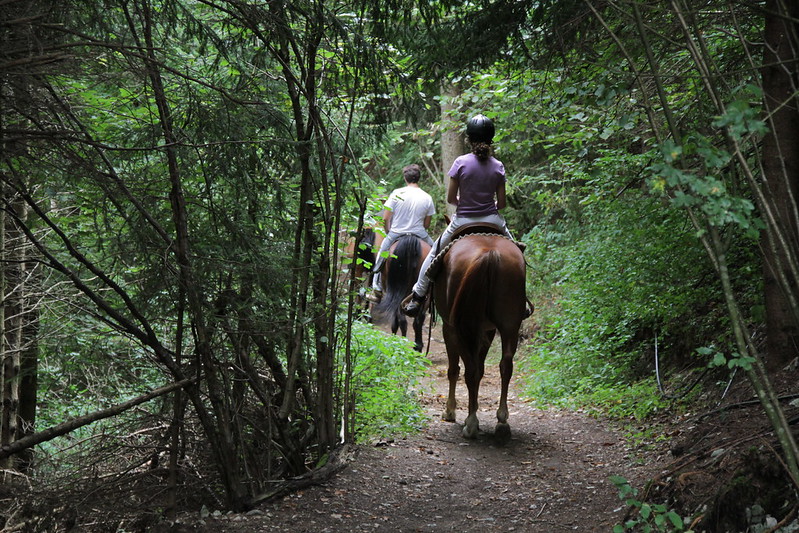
(432, 314)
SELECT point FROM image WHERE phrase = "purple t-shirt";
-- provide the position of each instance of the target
(477, 184)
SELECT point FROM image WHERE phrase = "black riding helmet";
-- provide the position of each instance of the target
(479, 128)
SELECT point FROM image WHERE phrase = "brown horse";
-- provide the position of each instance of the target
(399, 274)
(479, 291)
(358, 256)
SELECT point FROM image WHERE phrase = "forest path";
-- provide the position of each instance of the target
(552, 476)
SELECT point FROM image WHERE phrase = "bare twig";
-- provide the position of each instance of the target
(71, 425)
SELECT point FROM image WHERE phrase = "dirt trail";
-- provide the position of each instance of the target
(552, 476)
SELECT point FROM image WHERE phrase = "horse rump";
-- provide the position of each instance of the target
(399, 275)
(471, 303)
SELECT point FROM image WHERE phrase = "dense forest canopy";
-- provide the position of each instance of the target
(180, 177)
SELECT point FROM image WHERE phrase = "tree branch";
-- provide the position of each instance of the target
(71, 425)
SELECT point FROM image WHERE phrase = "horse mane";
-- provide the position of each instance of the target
(368, 236)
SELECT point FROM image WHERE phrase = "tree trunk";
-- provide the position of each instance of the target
(29, 369)
(7, 415)
(216, 422)
(451, 137)
(19, 324)
(17, 418)
(781, 178)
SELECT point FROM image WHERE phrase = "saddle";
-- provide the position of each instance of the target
(473, 228)
(477, 227)
(484, 228)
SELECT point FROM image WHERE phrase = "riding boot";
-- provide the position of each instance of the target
(376, 295)
(413, 304)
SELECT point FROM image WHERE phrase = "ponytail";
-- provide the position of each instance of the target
(482, 150)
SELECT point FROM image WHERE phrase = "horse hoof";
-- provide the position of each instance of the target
(469, 432)
(448, 417)
(502, 432)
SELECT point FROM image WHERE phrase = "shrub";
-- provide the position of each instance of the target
(387, 374)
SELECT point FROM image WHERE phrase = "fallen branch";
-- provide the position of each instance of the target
(741, 405)
(784, 521)
(62, 429)
(339, 458)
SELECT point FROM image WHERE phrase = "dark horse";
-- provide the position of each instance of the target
(399, 274)
(359, 256)
(479, 291)
(365, 255)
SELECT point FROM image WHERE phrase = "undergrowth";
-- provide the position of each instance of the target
(387, 375)
(607, 291)
(586, 384)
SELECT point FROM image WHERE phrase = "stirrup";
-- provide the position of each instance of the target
(528, 308)
(413, 304)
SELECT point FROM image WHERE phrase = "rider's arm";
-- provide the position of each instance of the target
(387, 219)
(501, 196)
(427, 220)
(452, 192)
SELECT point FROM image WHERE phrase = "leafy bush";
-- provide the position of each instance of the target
(612, 289)
(650, 517)
(387, 375)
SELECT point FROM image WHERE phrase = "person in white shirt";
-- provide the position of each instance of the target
(408, 210)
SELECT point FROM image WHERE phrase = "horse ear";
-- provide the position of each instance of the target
(446, 219)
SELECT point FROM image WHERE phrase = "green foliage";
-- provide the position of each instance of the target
(633, 400)
(609, 264)
(611, 288)
(743, 118)
(595, 387)
(706, 188)
(735, 360)
(387, 375)
(196, 245)
(649, 517)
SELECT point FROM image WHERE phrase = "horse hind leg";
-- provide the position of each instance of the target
(418, 331)
(399, 323)
(453, 373)
(510, 342)
(473, 374)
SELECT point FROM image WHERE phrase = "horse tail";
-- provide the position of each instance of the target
(400, 274)
(472, 301)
